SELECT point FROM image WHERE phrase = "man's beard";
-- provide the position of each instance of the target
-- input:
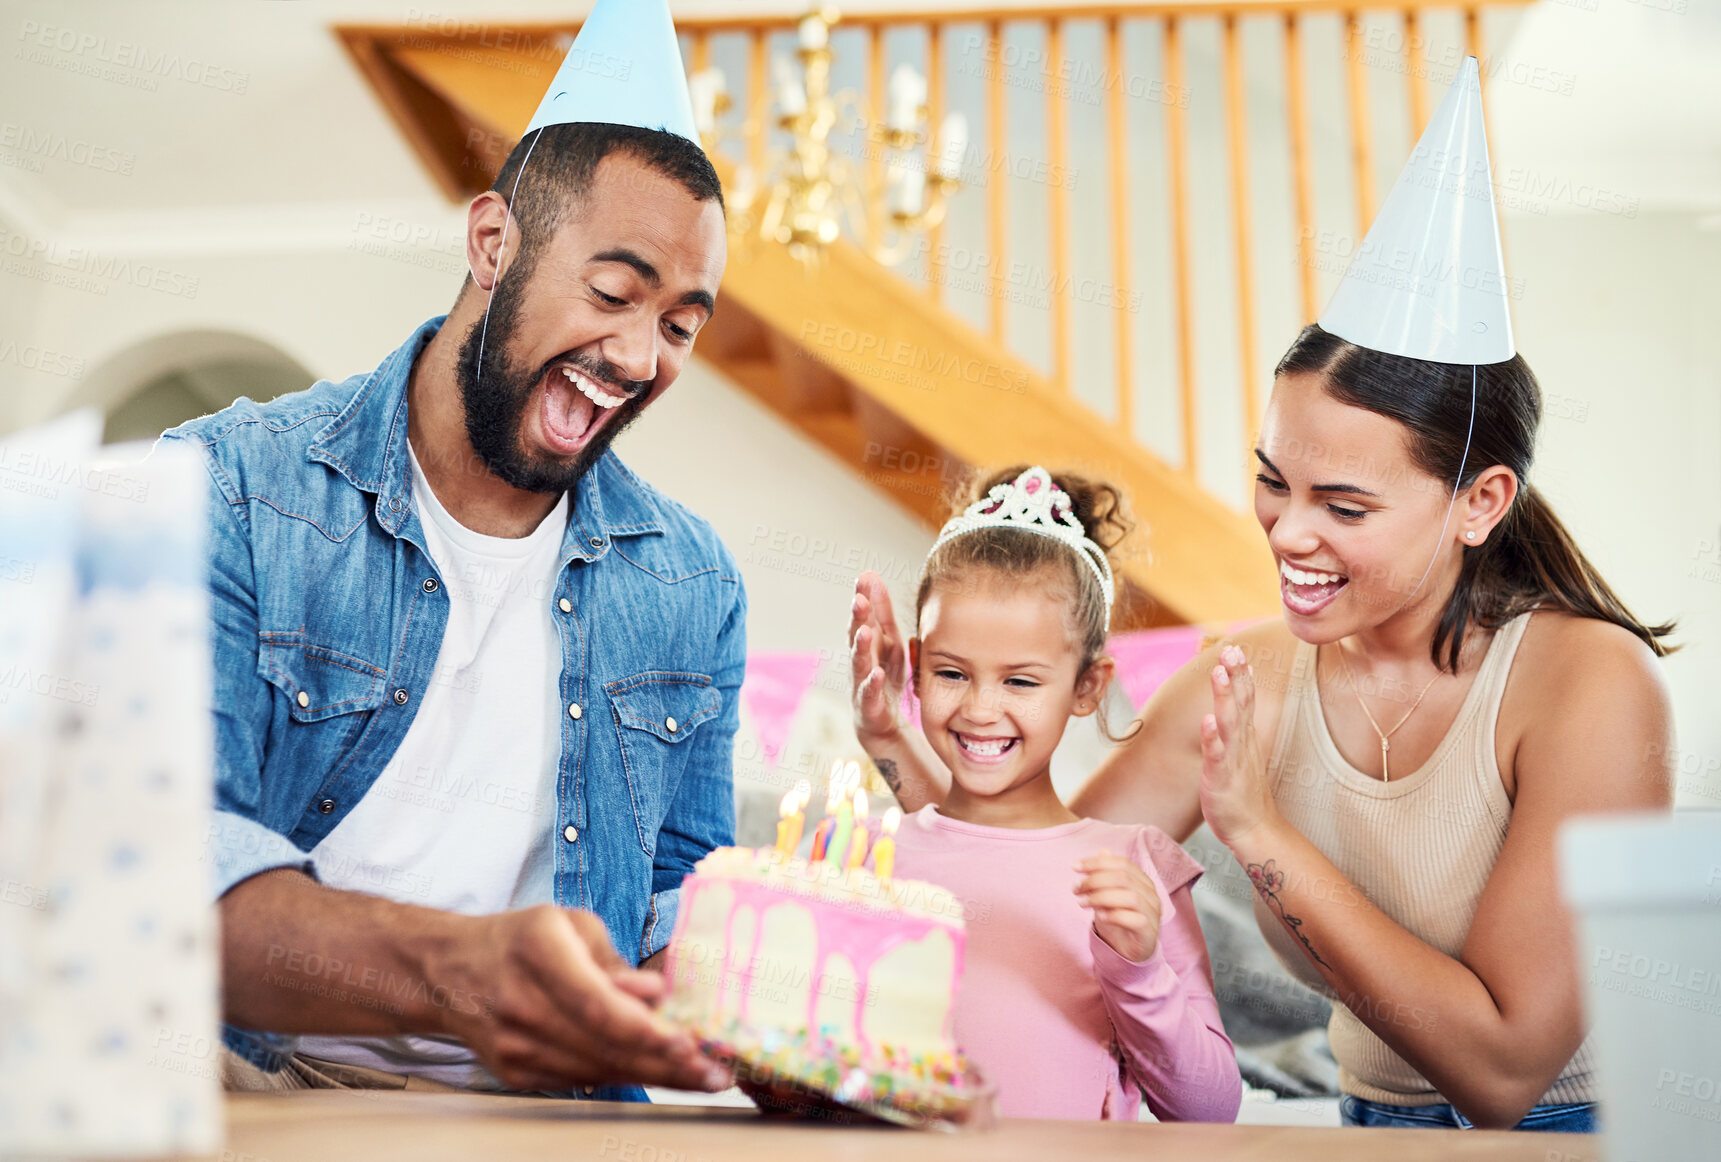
(494, 394)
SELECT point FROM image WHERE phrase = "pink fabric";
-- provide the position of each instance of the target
(1146, 659)
(1044, 1000)
(773, 689)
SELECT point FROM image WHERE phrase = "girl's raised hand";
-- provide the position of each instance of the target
(1124, 902)
(878, 662)
(1235, 795)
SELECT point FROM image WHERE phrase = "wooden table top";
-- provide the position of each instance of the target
(334, 1126)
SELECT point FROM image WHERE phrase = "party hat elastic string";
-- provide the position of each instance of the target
(501, 250)
(1456, 485)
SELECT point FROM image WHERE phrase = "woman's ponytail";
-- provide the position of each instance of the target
(1531, 561)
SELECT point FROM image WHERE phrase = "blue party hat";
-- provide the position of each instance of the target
(624, 69)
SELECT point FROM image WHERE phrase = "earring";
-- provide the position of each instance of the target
(1470, 536)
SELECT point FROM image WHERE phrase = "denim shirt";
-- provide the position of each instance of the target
(329, 616)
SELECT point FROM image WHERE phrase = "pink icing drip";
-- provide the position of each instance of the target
(863, 938)
(859, 937)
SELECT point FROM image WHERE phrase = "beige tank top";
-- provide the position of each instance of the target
(1420, 847)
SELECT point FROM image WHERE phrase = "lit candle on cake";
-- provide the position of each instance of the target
(785, 812)
(843, 829)
(857, 845)
(822, 833)
(884, 851)
(801, 791)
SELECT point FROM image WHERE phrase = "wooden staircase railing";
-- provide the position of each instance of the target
(902, 395)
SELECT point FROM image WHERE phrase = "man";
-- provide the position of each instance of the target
(476, 683)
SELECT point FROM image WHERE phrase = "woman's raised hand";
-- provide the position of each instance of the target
(878, 662)
(1235, 795)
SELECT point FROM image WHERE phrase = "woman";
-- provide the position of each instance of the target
(1362, 757)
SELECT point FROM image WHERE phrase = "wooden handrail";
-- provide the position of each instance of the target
(935, 124)
(1362, 157)
(1176, 146)
(408, 70)
(1302, 184)
(875, 114)
(1118, 140)
(955, 14)
(997, 205)
(1057, 225)
(758, 98)
(1237, 133)
(1418, 91)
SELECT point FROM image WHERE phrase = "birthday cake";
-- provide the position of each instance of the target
(823, 978)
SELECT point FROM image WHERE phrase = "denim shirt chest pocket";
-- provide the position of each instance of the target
(657, 714)
(326, 690)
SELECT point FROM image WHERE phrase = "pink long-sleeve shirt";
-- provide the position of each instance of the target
(1055, 1018)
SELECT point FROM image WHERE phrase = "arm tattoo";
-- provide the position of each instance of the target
(888, 772)
(1268, 879)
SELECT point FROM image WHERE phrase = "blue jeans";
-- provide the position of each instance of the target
(1575, 1118)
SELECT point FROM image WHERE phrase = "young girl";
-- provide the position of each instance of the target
(1086, 983)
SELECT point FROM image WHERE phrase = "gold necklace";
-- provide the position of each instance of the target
(1385, 745)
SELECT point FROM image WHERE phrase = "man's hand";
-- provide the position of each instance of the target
(1124, 902)
(539, 995)
(564, 1009)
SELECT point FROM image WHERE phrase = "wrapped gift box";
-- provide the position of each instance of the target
(108, 959)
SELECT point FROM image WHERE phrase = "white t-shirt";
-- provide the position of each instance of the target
(464, 817)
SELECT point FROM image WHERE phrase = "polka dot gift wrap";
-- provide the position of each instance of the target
(108, 987)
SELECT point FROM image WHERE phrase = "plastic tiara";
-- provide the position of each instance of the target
(1031, 503)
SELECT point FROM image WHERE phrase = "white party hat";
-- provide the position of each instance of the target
(1429, 281)
(624, 69)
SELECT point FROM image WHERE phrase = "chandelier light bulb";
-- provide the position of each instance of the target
(907, 96)
(791, 95)
(706, 89)
(814, 32)
(952, 146)
(907, 191)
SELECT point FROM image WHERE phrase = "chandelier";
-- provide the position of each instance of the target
(810, 191)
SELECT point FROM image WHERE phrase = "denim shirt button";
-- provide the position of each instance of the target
(304, 700)
(430, 585)
(327, 806)
(597, 542)
(574, 711)
(671, 725)
(400, 697)
(570, 833)
(565, 605)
